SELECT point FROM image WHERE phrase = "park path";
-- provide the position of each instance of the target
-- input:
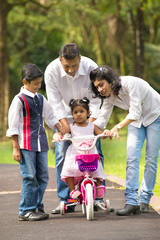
(74, 225)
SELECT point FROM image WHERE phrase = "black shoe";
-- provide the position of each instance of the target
(68, 210)
(128, 209)
(31, 216)
(46, 215)
(144, 208)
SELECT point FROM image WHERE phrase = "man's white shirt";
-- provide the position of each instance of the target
(61, 88)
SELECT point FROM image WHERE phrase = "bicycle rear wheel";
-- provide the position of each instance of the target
(89, 202)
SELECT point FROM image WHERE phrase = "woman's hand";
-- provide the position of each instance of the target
(113, 133)
(107, 133)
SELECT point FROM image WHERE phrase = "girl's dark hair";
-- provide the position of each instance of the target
(69, 51)
(79, 102)
(108, 74)
(30, 72)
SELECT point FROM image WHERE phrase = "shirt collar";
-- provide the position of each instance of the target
(28, 93)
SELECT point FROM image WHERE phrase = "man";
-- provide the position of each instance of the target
(68, 77)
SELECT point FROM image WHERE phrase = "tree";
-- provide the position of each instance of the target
(5, 8)
(124, 35)
(4, 77)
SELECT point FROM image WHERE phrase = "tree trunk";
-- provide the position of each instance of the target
(98, 46)
(4, 76)
(140, 43)
(97, 39)
(133, 34)
(153, 28)
(137, 32)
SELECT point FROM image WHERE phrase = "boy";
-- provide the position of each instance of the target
(30, 144)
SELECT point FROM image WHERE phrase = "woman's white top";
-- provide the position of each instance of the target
(135, 95)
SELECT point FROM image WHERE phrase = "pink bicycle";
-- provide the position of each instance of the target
(87, 163)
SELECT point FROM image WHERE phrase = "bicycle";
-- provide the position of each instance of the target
(87, 162)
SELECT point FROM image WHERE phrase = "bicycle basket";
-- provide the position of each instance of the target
(87, 162)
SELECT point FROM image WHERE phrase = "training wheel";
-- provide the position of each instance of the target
(62, 208)
(108, 206)
(83, 208)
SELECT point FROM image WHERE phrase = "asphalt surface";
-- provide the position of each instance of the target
(71, 226)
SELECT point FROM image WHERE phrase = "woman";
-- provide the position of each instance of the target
(143, 121)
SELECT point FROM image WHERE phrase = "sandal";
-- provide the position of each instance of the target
(100, 190)
(75, 194)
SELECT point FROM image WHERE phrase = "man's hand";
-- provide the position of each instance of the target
(62, 129)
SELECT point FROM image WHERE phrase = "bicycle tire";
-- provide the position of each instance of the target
(62, 208)
(89, 202)
(83, 208)
(108, 206)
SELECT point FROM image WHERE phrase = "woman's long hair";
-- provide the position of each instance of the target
(108, 74)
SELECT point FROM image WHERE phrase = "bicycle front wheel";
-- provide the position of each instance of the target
(89, 202)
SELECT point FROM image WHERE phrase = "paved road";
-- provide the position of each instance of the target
(72, 226)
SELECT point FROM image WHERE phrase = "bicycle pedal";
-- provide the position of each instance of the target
(72, 200)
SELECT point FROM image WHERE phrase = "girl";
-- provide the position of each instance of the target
(70, 172)
(143, 102)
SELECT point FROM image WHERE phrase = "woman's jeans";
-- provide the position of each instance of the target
(60, 151)
(135, 140)
(34, 170)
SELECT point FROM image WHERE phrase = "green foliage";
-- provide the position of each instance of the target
(32, 38)
(152, 71)
(36, 33)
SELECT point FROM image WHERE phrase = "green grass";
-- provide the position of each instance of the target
(114, 163)
(6, 153)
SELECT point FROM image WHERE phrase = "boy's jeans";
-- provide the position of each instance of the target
(135, 140)
(34, 170)
(60, 151)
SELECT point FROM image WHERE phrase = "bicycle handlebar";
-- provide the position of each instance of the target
(83, 139)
